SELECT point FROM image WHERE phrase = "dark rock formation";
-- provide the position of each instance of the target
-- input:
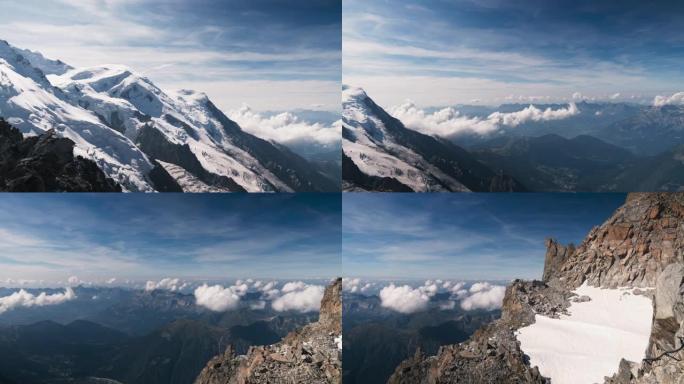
(307, 355)
(46, 163)
(640, 245)
(163, 182)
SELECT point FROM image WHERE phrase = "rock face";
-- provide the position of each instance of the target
(640, 245)
(308, 355)
(631, 248)
(46, 163)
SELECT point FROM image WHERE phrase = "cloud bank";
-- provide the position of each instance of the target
(167, 283)
(484, 296)
(449, 122)
(216, 297)
(404, 299)
(675, 99)
(299, 296)
(23, 298)
(355, 285)
(285, 128)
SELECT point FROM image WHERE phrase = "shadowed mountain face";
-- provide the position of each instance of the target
(380, 147)
(377, 339)
(131, 337)
(132, 129)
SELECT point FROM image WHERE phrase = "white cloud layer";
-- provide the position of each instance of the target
(285, 128)
(448, 121)
(299, 296)
(484, 296)
(404, 299)
(675, 99)
(216, 297)
(167, 283)
(355, 285)
(23, 298)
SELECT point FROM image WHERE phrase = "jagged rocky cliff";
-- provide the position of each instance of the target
(640, 246)
(46, 163)
(311, 354)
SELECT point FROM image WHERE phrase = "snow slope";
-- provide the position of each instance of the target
(371, 147)
(30, 103)
(589, 343)
(128, 102)
(122, 121)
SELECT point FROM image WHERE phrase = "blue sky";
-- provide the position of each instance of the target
(441, 52)
(462, 236)
(270, 54)
(195, 236)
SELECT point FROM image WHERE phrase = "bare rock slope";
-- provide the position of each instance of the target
(308, 355)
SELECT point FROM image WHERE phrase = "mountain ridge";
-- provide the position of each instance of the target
(103, 110)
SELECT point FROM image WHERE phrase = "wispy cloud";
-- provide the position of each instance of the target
(446, 53)
(192, 45)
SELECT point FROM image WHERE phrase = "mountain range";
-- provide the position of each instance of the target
(377, 339)
(605, 147)
(138, 134)
(117, 335)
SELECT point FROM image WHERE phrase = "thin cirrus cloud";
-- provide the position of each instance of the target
(446, 53)
(146, 237)
(272, 55)
(457, 236)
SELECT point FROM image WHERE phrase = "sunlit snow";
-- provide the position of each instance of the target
(588, 345)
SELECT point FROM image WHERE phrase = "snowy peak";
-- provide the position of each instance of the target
(15, 60)
(128, 126)
(352, 94)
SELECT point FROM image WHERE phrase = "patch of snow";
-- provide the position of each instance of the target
(589, 343)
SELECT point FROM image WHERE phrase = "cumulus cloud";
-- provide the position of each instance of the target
(614, 96)
(355, 285)
(167, 283)
(483, 296)
(74, 280)
(404, 299)
(285, 128)
(216, 297)
(675, 99)
(23, 298)
(299, 296)
(448, 121)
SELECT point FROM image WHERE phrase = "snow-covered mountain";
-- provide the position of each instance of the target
(130, 127)
(380, 153)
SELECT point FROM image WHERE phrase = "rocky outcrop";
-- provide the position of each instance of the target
(640, 245)
(46, 163)
(308, 355)
(631, 248)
